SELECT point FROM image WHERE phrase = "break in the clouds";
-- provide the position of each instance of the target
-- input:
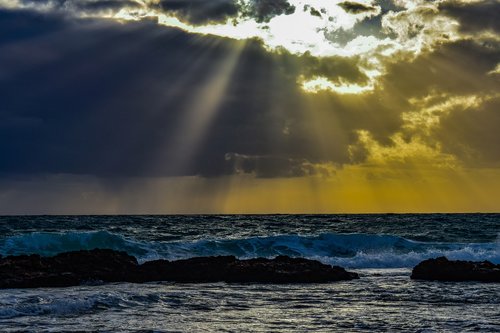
(367, 33)
(349, 92)
(322, 28)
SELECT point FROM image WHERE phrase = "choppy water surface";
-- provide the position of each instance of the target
(382, 248)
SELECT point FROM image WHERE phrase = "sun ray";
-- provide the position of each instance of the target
(201, 111)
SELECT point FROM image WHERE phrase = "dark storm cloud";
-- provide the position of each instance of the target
(457, 68)
(105, 99)
(475, 16)
(472, 134)
(274, 166)
(98, 98)
(356, 7)
(265, 10)
(196, 12)
(102, 5)
(265, 166)
(201, 11)
(88, 7)
(97, 103)
(335, 68)
(204, 11)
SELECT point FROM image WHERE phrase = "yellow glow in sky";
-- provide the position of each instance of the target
(317, 84)
(334, 106)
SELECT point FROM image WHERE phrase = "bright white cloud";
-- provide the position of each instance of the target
(311, 28)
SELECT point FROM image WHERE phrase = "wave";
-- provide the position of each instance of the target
(53, 303)
(348, 250)
(51, 243)
(56, 307)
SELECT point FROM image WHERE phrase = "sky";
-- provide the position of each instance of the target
(249, 106)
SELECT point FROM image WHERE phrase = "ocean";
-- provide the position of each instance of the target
(381, 248)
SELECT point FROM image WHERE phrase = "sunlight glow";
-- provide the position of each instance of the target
(407, 32)
(202, 110)
(413, 154)
(495, 70)
(320, 28)
(10, 4)
(319, 83)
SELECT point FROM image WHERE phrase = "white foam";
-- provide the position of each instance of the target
(348, 250)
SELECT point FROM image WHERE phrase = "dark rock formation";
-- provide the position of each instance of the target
(442, 269)
(66, 269)
(80, 267)
(281, 269)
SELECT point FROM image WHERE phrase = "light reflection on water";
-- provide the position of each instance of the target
(382, 300)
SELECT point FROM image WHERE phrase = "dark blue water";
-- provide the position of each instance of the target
(420, 227)
(359, 241)
(382, 248)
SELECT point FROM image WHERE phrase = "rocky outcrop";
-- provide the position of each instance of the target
(83, 267)
(281, 269)
(66, 269)
(442, 269)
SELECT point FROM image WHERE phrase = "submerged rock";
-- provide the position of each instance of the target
(442, 269)
(80, 267)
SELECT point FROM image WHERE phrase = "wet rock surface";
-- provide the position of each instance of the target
(442, 269)
(84, 267)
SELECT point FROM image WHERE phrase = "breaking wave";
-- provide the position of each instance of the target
(348, 250)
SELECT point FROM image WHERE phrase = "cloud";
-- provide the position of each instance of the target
(364, 33)
(420, 28)
(452, 102)
(195, 12)
(474, 16)
(265, 10)
(87, 7)
(460, 68)
(472, 134)
(199, 12)
(276, 166)
(356, 7)
(427, 112)
(334, 68)
(65, 114)
(102, 91)
(495, 71)
(402, 153)
(119, 114)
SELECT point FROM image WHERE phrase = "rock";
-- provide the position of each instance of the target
(66, 269)
(281, 269)
(284, 269)
(442, 269)
(200, 269)
(80, 267)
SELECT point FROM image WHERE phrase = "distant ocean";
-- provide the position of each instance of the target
(381, 248)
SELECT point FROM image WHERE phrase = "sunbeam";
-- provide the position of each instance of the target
(201, 110)
(176, 153)
(289, 105)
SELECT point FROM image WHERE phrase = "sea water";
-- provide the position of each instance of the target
(381, 248)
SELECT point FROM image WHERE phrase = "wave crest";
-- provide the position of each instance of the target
(51, 243)
(348, 250)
